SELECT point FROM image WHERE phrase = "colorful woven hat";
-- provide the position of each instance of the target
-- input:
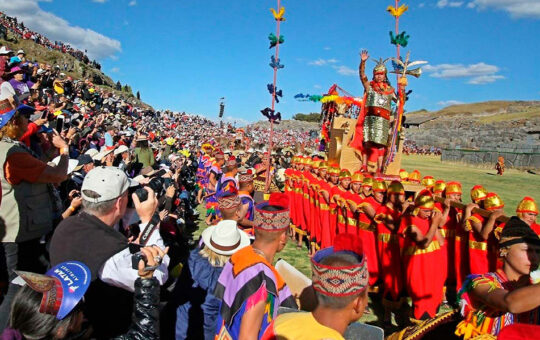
(493, 202)
(527, 205)
(229, 199)
(439, 187)
(357, 177)
(453, 188)
(379, 185)
(231, 161)
(246, 177)
(396, 188)
(63, 286)
(341, 280)
(273, 215)
(428, 181)
(478, 193)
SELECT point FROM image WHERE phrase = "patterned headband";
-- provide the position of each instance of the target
(229, 202)
(277, 220)
(245, 178)
(340, 280)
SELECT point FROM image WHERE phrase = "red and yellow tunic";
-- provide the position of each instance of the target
(536, 228)
(481, 259)
(390, 264)
(341, 200)
(424, 283)
(334, 193)
(315, 212)
(354, 200)
(367, 230)
(324, 208)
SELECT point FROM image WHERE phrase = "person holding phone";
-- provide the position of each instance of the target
(26, 205)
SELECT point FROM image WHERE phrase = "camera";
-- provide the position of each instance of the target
(155, 184)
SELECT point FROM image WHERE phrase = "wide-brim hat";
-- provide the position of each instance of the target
(91, 152)
(121, 149)
(5, 51)
(225, 238)
(72, 164)
(100, 155)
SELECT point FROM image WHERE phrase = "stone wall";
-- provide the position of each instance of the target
(523, 158)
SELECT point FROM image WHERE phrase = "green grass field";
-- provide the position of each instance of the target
(512, 187)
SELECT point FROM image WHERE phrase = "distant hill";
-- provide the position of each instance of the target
(76, 69)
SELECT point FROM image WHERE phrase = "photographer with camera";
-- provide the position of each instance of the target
(91, 237)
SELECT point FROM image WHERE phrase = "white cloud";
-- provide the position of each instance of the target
(449, 102)
(446, 3)
(344, 70)
(421, 5)
(516, 8)
(237, 121)
(115, 70)
(478, 74)
(99, 1)
(326, 48)
(133, 3)
(317, 86)
(481, 80)
(322, 62)
(56, 28)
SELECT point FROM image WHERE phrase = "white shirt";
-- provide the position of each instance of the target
(117, 270)
(7, 91)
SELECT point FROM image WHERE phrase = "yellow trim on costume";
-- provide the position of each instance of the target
(366, 226)
(324, 206)
(387, 238)
(478, 245)
(341, 219)
(448, 233)
(351, 221)
(414, 250)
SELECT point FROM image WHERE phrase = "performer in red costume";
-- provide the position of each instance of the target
(422, 256)
(354, 198)
(333, 173)
(483, 234)
(341, 200)
(388, 218)
(371, 134)
(527, 211)
(367, 227)
(324, 206)
(314, 203)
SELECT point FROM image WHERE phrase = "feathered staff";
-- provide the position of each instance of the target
(269, 112)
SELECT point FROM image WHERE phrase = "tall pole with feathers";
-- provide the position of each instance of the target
(270, 113)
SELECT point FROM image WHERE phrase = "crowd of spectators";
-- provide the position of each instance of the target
(411, 148)
(19, 30)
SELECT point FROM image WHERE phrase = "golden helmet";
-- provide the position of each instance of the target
(428, 181)
(493, 202)
(367, 181)
(333, 170)
(424, 200)
(404, 175)
(439, 187)
(527, 205)
(323, 165)
(357, 177)
(478, 193)
(396, 187)
(308, 161)
(379, 185)
(293, 160)
(316, 164)
(414, 176)
(453, 188)
(345, 174)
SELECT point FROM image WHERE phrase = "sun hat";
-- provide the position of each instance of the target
(21, 52)
(107, 182)
(121, 149)
(100, 155)
(5, 51)
(72, 164)
(63, 286)
(225, 238)
(91, 152)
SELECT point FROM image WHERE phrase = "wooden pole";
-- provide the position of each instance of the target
(479, 211)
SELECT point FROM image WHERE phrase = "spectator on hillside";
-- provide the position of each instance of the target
(22, 87)
(143, 154)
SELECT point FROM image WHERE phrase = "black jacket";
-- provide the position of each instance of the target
(145, 319)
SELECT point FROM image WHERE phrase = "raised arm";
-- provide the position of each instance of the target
(362, 69)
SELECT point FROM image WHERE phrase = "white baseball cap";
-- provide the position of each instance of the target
(107, 182)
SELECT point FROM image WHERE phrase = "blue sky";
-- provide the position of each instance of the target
(185, 55)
